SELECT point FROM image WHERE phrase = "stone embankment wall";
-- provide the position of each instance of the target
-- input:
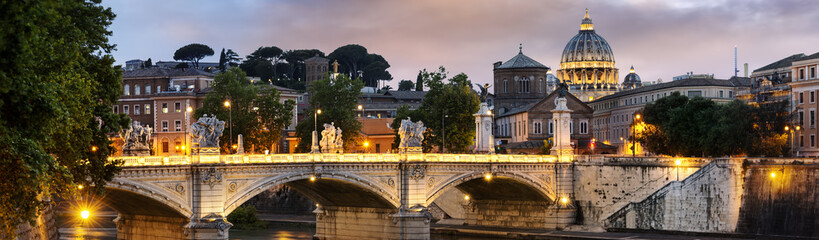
(785, 204)
(151, 227)
(706, 201)
(45, 227)
(604, 185)
(505, 213)
(369, 223)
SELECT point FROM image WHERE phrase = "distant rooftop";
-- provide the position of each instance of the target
(732, 82)
(785, 62)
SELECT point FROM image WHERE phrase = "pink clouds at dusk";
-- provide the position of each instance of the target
(661, 39)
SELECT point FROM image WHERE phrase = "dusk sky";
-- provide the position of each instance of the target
(661, 39)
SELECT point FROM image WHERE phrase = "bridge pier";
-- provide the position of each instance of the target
(370, 223)
(150, 227)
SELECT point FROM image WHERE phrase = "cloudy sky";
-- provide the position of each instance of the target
(661, 39)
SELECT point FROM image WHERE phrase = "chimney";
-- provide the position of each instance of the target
(496, 64)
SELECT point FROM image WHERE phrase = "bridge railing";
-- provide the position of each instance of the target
(332, 158)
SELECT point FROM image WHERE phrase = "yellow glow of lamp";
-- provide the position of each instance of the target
(797, 128)
(360, 107)
(678, 162)
(79, 186)
(190, 109)
(466, 197)
(564, 200)
(312, 178)
(487, 176)
(318, 111)
(366, 144)
(85, 214)
(227, 103)
(93, 148)
(637, 117)
(773, 174)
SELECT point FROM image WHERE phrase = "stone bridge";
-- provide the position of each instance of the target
(368, 196)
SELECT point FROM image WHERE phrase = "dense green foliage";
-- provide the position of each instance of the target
(679, 126)
(245, 218)
(354, 58)
(57, 88)
(337, 98)
(405, 85)
(446, 112)
(193, 53)
(266, 63)
(256, 112)
(228, 59)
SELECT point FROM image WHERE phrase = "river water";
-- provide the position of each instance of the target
(279, 231)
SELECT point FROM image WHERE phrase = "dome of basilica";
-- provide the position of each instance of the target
(587, 45)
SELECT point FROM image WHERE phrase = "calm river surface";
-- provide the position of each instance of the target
(273, 231)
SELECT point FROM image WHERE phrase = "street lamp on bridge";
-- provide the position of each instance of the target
(230, 116)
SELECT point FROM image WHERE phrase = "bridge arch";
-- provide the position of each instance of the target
(504, 182)
(327, 189)
(137, 198)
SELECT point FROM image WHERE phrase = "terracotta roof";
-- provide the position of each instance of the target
(376, 126)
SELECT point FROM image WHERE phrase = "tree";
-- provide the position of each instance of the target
(57, 88)
(354, 58)
(148, 63)
(405, 85)
(679, 126)
(274, 116)
(295, 62)
(193, 53)
(447, 111)
(419, 82)
(337, 98)
(232, 58)
(258, 117)
(222, 60)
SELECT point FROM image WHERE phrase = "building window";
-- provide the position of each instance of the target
(801, 74)
(801, 97)
(813, 72)
(164, 126)
(164, 145)
(812, 140)
(812, 118)
(505, 86)
(147, 89)
(178, 125)
(148, 108)
(136, 89)
(177, 107)
(137, 109)
(164, 107)
(812, 100)
(584, 127)
(551, 127)
(126, 90)
(158, 89)
(116, 109)
(125, 109)
(537, 127)
(178, 146)
(801, 118)
(801, 141)
(692, 94)
(720, 94)
(301, 98)
(571, 127)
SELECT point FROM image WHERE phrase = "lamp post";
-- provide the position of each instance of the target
(230, 116)
(443, 133)
(188, 131)
(360, 110)
(800, 141)
(634, 135)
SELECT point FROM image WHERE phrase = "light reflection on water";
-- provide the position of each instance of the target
(274, 231)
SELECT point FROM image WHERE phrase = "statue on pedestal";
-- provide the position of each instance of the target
(206, 132)
(137, 139)
(412, 136)
(331, 139)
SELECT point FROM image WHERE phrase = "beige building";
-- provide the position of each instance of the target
(165, 99)
(614, 114)
(523, 129)
(805, 88)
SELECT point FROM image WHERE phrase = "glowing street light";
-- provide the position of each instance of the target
(85, 214)
(487, 176)
(466, 197)
(564, 200)
(230, 115)
(79, 187)
(773, 174)
(312, 178)
(190, 109)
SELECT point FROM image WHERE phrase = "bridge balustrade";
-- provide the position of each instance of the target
(336, 158)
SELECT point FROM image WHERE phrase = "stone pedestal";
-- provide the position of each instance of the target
(315, 147)
(410, 150)
(484, 141)
(562, 142)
